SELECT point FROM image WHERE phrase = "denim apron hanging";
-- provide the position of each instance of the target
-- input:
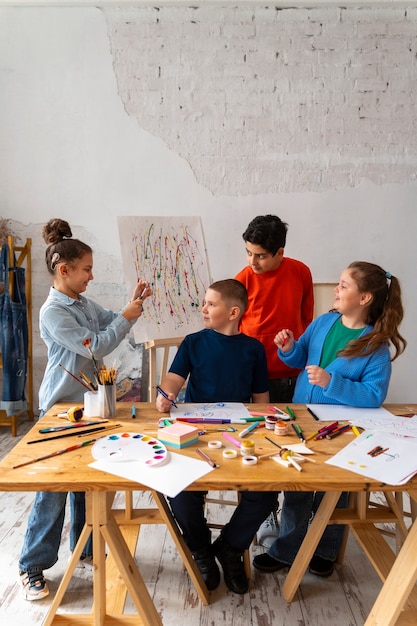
(14, 335)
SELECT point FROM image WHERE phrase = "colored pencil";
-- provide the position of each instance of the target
(312, 414)
(207, 458)
(290, 412)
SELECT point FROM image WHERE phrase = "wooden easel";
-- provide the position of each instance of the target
(24, 255)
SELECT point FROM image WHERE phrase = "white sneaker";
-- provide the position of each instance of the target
(85, 563)
(34, 585)
(268, 531)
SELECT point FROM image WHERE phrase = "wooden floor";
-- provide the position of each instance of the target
(344, 599)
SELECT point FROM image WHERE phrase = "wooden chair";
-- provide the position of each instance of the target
(323, 297)
(160, 350)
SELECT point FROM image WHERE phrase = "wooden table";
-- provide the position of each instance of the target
(70, 472)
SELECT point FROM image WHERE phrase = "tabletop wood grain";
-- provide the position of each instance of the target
(71, 471)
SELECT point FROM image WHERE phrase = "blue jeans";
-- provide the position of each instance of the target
(13, 335)
(43, 534)
(44, 530)
(297, 510)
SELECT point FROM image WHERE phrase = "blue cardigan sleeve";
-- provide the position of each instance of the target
(359, 381)
(355, 381)
(308, 348)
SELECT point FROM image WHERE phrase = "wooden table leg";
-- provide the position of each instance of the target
(309, 544)
(76, 555)
(398, 585)
(100, 521)
(130, 574)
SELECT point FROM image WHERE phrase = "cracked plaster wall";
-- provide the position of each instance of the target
(261, 100)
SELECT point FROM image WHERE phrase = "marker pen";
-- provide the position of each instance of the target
(234, 441)
(249, 429)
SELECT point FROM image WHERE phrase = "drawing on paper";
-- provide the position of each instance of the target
(170, 253)
(217, 410)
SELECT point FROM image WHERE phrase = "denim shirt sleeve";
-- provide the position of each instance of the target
(68, 325)
(64, 324)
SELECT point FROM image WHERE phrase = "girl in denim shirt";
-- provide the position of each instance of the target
(67, 319)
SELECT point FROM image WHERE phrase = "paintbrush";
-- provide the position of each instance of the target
(56, 453)
(75, 433)
(75, 378)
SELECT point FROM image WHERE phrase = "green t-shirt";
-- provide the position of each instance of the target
(337, 339)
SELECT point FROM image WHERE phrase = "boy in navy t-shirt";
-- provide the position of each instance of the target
(222, 365)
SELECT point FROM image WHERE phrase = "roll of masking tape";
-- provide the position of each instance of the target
(214, 445)
(75, 413)
(250, 460)
(229, 453)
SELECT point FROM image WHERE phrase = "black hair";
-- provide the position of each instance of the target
(267, 231)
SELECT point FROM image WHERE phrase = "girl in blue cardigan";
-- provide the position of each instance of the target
(345, 356)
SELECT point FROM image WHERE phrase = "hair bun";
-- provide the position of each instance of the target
(56, 230)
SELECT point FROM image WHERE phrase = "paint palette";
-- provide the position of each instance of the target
(122, 447)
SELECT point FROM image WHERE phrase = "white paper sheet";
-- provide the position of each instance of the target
(299, 448)
(341, 412)
(396, 464)
(370, 419)
(215, 410)
(170, 478)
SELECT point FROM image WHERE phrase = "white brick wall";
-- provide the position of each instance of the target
(267, 101)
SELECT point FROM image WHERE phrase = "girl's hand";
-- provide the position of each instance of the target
(142, 291)
(317, 376)
(134, 309)
(284, 339)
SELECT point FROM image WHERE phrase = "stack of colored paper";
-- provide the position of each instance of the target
(178, 435)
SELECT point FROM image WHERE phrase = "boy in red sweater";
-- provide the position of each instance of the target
(280, 293)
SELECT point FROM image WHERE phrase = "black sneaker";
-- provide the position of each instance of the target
(321, 567)
(207, 565)
(266, 563)
(233, 567)
(34, 586)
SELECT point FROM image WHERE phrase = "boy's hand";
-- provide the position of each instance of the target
(162, 404)
(284, 340)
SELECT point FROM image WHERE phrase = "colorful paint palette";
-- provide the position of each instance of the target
(130, 447)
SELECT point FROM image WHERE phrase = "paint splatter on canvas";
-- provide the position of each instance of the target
(170, 253)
